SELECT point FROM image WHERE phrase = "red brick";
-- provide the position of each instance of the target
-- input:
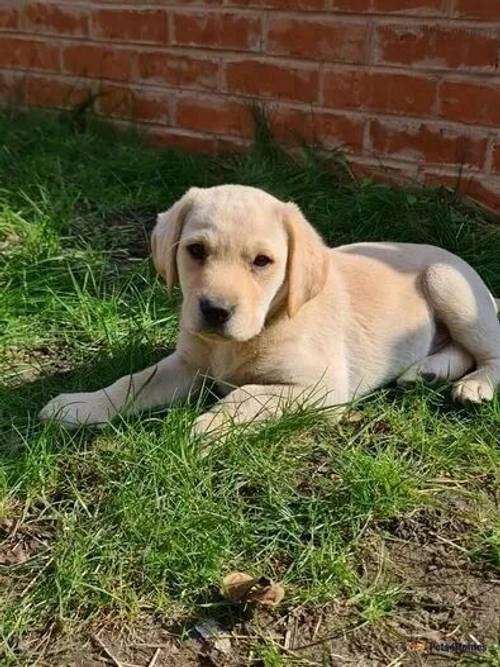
(470, 102)
(422, 142)
(11, 88)
(319, 39)
(97, 61)
(483, 189)
(113, 101)
(196, 143)
(436, 46)
(413, 7)
(383, 172)
(40, 17)
(496, 158)
(217, 30)
(130, 25)
(215, 115)
(28, 54)
(339, 130)
(319, 128)
(288, 123)
(352, 6)
(177, 70)
(488, 10)
(269, 79)
(152, 107)
(9, 17)
(45, 92)
(231, 144)
(390, 93)
(298, 5)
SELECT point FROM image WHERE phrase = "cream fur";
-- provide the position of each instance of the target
(319, 325)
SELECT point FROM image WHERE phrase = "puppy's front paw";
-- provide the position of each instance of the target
(74, 410)
(210, 423)
(476, 388)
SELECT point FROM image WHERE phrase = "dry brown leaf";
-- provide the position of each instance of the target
(241, 587)
(237, 585)
(14, 555)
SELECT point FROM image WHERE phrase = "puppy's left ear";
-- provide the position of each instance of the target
(166, 235)
(307, 264)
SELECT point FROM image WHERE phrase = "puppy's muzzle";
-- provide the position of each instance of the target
(216, 312)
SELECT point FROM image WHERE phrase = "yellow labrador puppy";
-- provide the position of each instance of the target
(274, 316)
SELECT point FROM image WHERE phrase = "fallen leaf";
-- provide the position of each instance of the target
(241, 587)
(237, 585)
(14, 555)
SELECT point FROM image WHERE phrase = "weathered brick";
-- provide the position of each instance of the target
(173, 138)
(496, 157)
(470, 102)
(178, 70)
(131, 25)
(351, 6)
(424, 142)
(319, 128)
(97, 61)
(390, 93)
(215, 115)
(319, 39)
(217, 30)
(413, 7)
(434, 46)
(488, 10)
(28, 54)
(270, 79)
(113, 101)
(150, 106)
(50, 92)
(41, 17)
(9, 17)
(384, 171)
(483, 189)
(12, 88)
(301, 5)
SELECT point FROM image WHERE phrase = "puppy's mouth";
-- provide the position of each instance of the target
(213, 335)
(222, 336)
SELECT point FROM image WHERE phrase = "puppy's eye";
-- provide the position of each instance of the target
(261, 261)
(197, 251)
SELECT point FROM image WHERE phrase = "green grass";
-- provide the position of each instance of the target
(131, 520)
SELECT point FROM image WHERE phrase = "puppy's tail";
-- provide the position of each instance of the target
(497, 304)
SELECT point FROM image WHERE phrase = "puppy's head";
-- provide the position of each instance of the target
(238, 254)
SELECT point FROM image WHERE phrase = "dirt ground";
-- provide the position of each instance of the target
(449, 611)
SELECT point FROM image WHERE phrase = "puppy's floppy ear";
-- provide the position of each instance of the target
(307, 264)
(166, 235)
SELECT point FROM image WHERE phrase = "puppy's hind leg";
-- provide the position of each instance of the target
(463, 303)
(449, 364)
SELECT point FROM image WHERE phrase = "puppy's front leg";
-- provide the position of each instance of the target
(160, 385)
(253, 402)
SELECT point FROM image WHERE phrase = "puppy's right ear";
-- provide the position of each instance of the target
(166, 235)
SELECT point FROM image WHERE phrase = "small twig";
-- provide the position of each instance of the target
(452, 544)
(30, 585)
(397, 661)
(338, 633)
(153, 660)
(316, 629)
(106, 650)
(337, 656)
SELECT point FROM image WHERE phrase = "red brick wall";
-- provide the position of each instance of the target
(411, 84)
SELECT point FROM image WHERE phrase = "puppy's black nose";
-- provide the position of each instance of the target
(215, 312)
